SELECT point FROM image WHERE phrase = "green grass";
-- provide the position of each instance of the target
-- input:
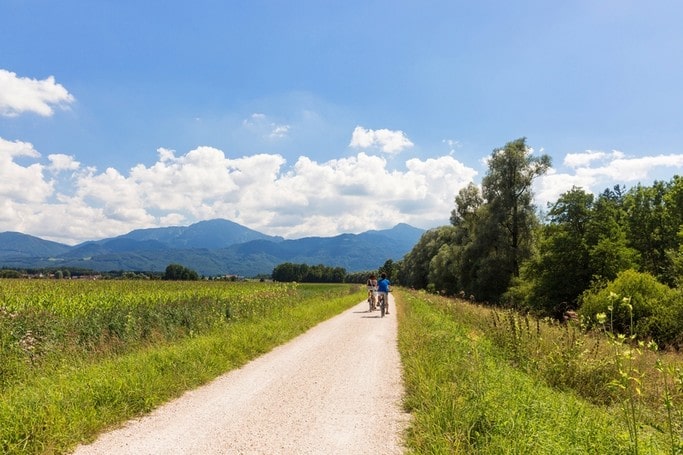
(55, 410)
(468, 395)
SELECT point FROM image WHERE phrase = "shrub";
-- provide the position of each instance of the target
(636, 304)
(665, 325)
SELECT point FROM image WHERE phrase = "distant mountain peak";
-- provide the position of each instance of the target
(211, 247)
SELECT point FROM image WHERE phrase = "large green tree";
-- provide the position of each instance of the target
(652, 229)
(415, 266)
(503, 235)
(584, 240)
(560, 272)
(609, 249)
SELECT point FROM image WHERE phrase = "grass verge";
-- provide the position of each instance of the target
(466, 396)
(52, 413)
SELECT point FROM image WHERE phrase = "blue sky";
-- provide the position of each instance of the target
(321, 117)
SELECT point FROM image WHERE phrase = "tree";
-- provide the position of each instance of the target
(467, 202)
(606, 239)
(177, 272)
(304, 273)
(559, 272)
(9, 273)
(507, 189)
(444, 269)
(387, 268)
(563, 273)
(503, 234)
(415, 267)
(651, 231)
(584, 241)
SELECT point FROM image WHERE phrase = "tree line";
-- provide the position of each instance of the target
(499, 249)
(303, 273)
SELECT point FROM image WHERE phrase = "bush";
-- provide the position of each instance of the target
(636, 303)
(665, 326)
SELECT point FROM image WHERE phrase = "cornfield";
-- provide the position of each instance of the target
(43, 321)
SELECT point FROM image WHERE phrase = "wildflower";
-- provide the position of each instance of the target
(29, 344)
(601, 318)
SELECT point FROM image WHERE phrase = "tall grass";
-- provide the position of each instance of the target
(481, 381)
(81, 392)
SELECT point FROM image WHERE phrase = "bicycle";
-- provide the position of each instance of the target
(372, 299)
(382, 297)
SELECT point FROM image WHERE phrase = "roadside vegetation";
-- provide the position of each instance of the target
(81, 356)
(481, 380)
(502, 251)
(581, 300)
(572, 313)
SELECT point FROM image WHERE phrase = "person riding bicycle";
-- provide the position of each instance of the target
(372, 291)
(383, 288)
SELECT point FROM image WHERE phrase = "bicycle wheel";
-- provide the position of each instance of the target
(383, 306)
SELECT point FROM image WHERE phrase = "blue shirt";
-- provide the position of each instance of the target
(383, 285)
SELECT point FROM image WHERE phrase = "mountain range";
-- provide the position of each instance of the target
(211, 248)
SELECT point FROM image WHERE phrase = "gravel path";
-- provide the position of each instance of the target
(334, 390)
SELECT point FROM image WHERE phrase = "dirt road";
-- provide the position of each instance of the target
(334, 390)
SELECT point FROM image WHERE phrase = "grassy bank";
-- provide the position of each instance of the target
(70, 400)
(470, 392)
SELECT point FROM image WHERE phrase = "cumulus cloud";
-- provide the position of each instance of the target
(391, 142)
(595, 171)
(60, 162)
(57, 198)
(10, 149)
(19, 95)
(260, 191)
(26, 184)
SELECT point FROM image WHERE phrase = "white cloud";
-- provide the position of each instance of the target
(262, 125)
(10, 149)
(549, 187)
(595, 171)
(352, 194)
(583, 159)
(279, 131)
(633, 169)
(22, 183)
(21, 94)
(391, 142)
(61, 162)
(73, 203)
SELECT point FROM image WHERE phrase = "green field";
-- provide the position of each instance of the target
(80, 356)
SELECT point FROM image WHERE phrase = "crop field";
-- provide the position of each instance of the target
(40, 320)
(78, 356)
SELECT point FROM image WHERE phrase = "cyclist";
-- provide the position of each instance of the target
(383, 287)
(372, 291)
